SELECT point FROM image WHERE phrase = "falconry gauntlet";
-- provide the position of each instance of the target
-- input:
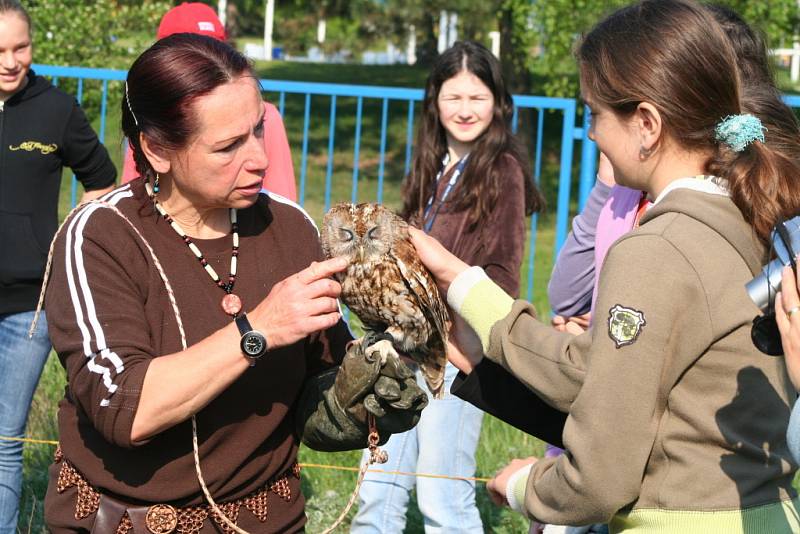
(334, 407)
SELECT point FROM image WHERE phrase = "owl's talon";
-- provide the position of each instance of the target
(383, 347)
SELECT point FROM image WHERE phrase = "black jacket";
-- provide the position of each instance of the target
(496, 391)
(42, 129)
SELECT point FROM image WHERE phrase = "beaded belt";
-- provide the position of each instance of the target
(164, 518)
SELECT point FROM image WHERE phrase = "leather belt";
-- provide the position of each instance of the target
(115, 516)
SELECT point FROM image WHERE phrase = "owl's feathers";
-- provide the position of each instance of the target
(387, 285)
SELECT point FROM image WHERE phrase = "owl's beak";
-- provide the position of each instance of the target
(360, 254)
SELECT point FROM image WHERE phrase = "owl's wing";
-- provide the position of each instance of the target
(418, 278)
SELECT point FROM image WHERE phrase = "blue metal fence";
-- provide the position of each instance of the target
(527, 108)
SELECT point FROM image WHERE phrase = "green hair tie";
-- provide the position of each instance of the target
(738, 131)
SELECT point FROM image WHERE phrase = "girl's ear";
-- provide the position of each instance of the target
(156, 155)
(647, 120)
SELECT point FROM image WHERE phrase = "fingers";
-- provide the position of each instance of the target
(416, 234)
(374, 407)
(324, 287)
(780, 315)
(582, 320)
(321, 322)
(322, 305)
(498, 498)
(322, 269)
(789, 289)
(787, 301)
(557, 321)
(573, 328)
(387, 388)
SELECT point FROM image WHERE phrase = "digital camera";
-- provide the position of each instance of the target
(763, 288)
(786, 244)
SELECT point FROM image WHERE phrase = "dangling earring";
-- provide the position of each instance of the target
(155, 185)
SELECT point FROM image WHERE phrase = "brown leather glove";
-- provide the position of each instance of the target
(332, 412)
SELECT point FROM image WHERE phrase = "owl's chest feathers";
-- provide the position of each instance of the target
(377, 293)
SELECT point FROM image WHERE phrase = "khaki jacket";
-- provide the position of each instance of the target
(671, 407)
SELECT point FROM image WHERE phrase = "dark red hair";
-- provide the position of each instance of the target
(164, 82)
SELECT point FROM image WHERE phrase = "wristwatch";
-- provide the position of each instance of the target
(253, 342)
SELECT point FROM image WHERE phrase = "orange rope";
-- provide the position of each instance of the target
(385, 472)
(303, 465)
(30, 440)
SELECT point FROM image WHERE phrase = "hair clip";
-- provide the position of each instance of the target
(739, 131)
(128, 100)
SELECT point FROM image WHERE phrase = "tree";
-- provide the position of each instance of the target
(559, 24)
(89, 36)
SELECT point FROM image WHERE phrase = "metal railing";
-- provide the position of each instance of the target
(530, 110)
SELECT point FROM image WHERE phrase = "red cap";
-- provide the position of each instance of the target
(191, 17)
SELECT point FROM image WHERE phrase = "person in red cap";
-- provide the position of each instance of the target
(196, 17)
(191, 17)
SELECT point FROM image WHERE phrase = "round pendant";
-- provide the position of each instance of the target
(231, 304)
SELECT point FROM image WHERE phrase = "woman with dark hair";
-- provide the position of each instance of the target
(42, 130)
(470, 187)
(667, 389)
(177, 399)
(199, 18)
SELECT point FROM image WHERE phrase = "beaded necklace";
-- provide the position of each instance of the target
(231, 303)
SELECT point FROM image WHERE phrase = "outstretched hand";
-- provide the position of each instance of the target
(443, 265)
(300, 305)
(496, 487)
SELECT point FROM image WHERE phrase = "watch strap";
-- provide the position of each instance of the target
(242, 323)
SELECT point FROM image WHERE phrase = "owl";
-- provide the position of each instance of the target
(387, 285)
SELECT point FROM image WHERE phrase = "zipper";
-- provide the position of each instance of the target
(2, 147)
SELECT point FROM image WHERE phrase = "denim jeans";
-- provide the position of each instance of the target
(21, 363)
(443, 442)
(793, 432)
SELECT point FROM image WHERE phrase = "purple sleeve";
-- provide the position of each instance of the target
(572, 281)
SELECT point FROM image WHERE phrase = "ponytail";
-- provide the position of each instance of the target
(764, 177)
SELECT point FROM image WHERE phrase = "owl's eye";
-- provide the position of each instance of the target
(345, 234)
(374, 233)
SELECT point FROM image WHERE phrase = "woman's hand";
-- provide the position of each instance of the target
(464, 350)
(788, 301)
(572, 325)
(300, 305)
(605, 172)
(496, 487)
(443, 265)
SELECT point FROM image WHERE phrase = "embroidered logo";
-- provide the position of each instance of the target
(624, 325)
(30, 146)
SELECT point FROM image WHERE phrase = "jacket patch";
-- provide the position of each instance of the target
(624, 325)
(30, 146)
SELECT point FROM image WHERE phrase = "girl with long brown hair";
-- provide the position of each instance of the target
(470, 187)
(676, 421)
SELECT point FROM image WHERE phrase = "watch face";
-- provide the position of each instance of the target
(254, 344)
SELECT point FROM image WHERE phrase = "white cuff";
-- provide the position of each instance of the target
(515, 497)
(459, 288)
